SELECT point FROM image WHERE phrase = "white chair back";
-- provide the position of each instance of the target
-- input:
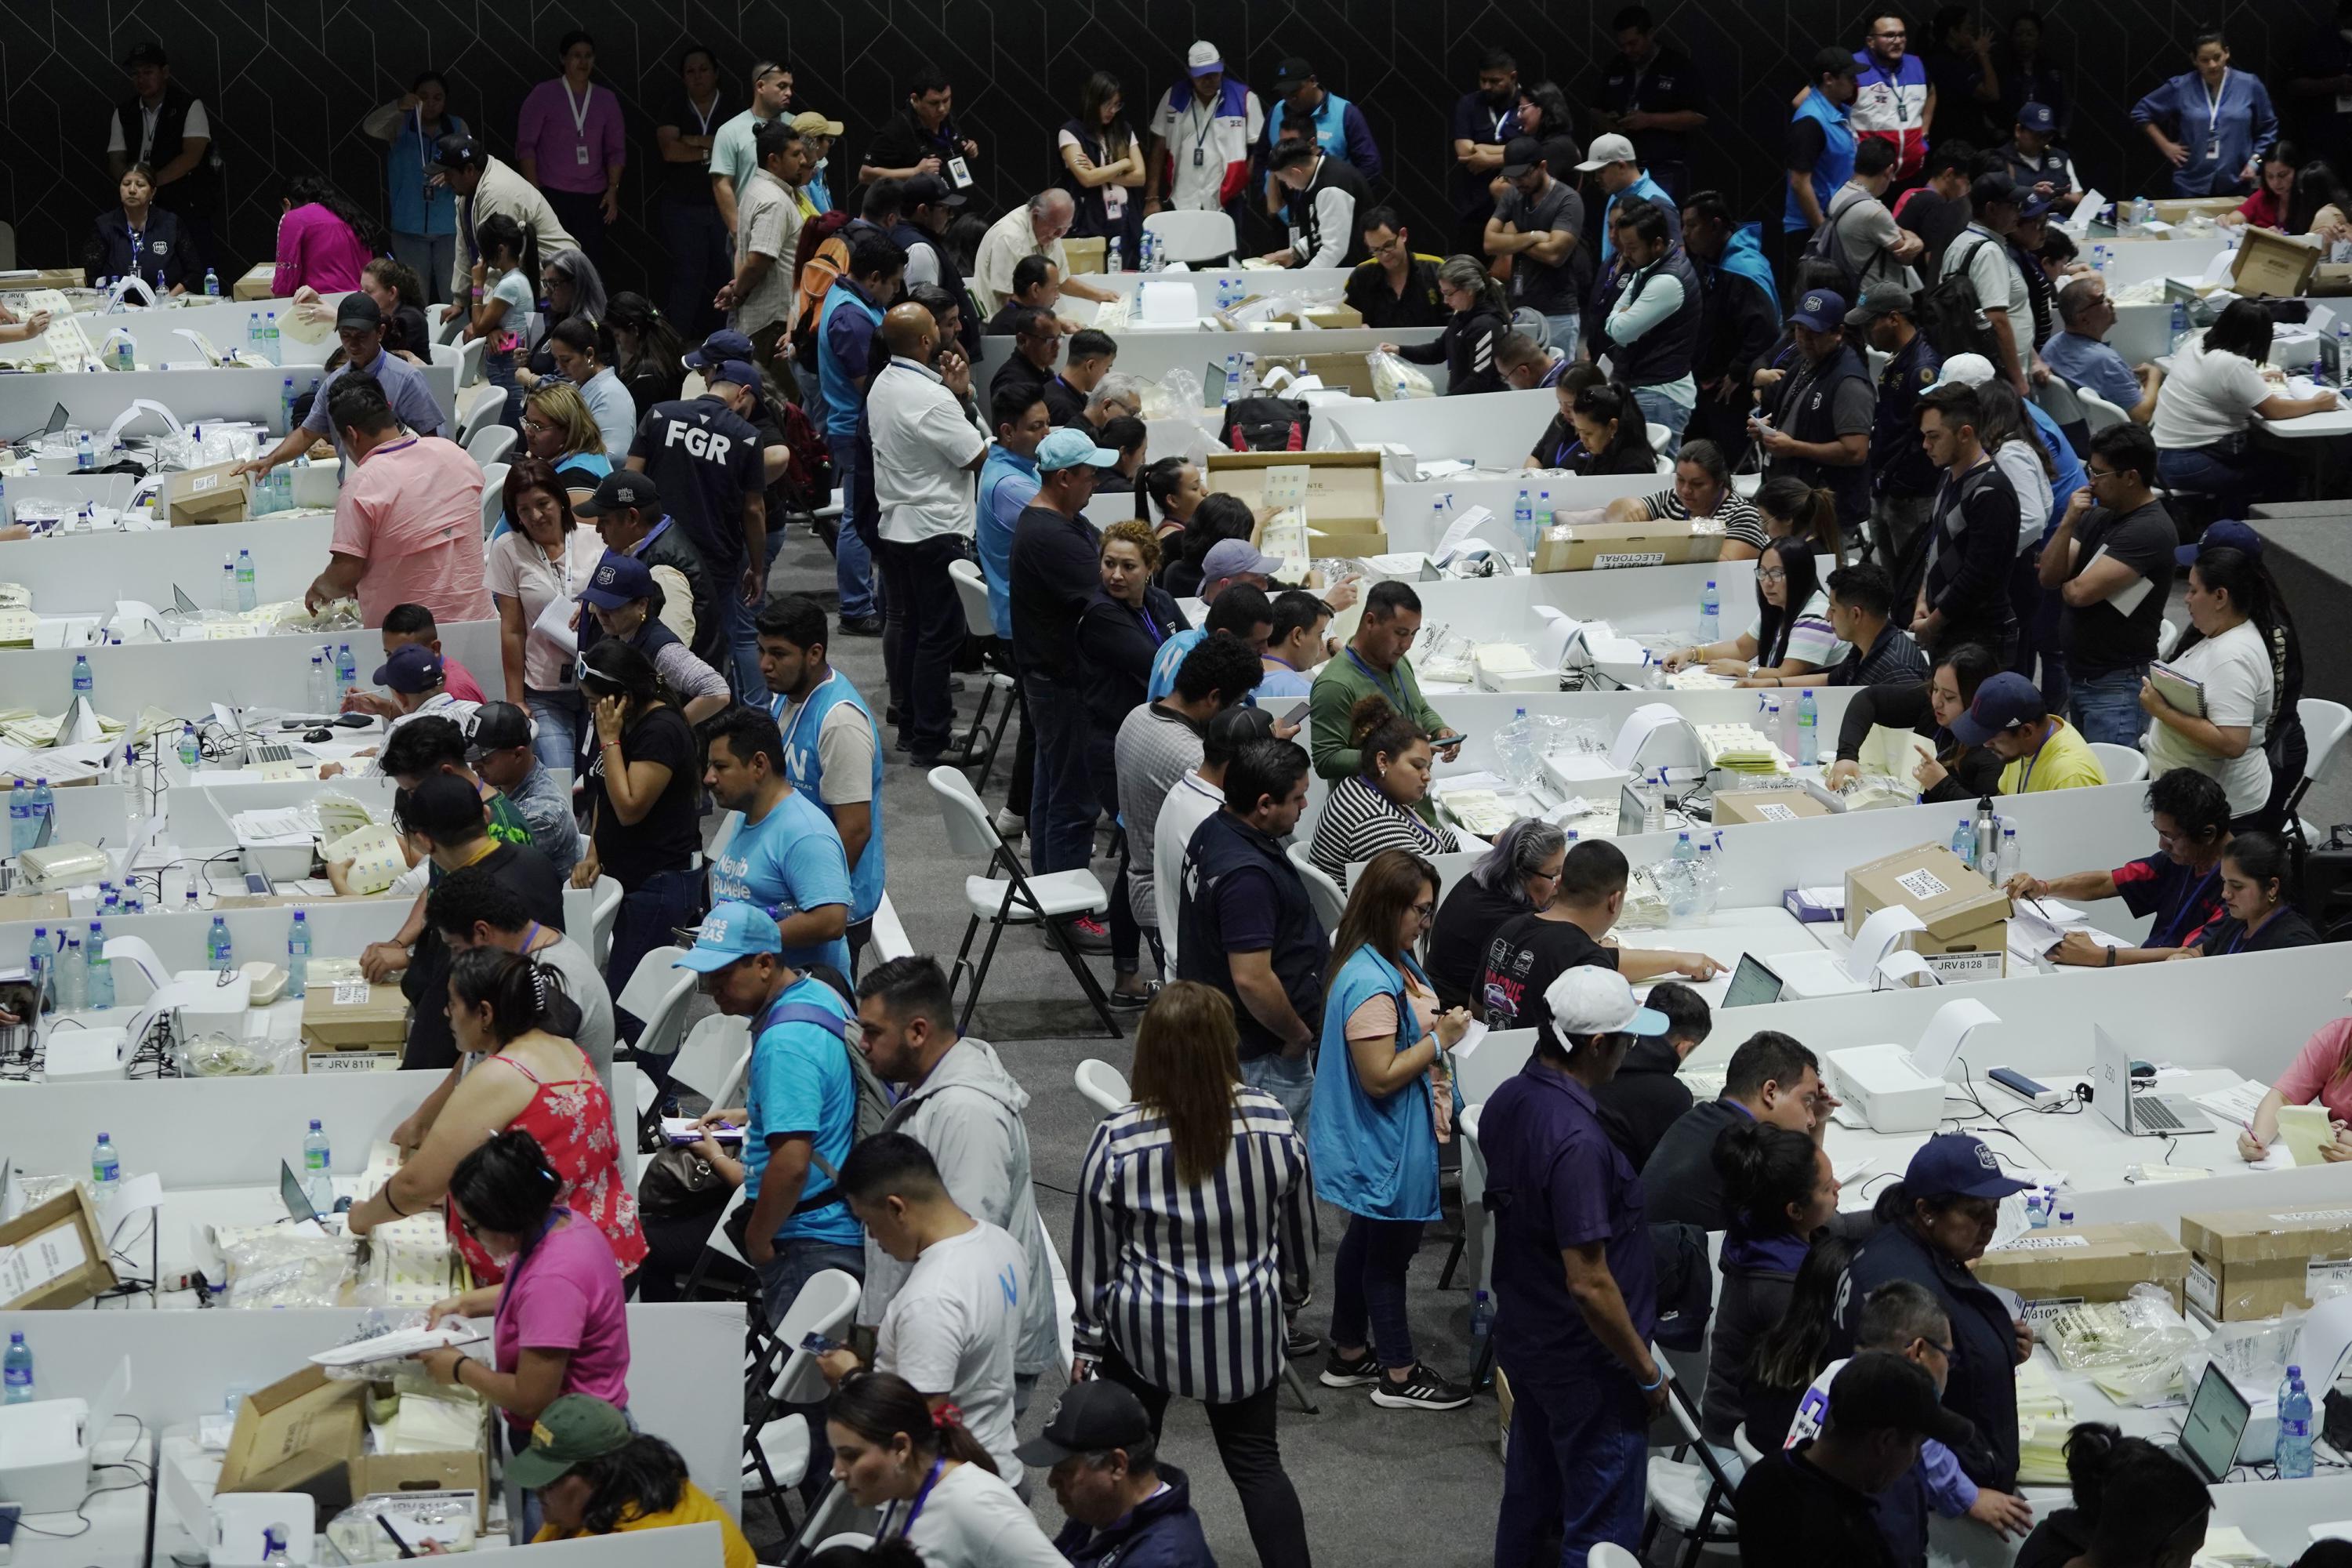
(601, 916)
(1192, 236)
(1324, 893)
(825, 1307)
(658, 994)
(969, 832)
(1660, 437)
(2122, 763)
(731, 1088)
(469, 363)
(2167, 637)
(490, 443)
(1750, 1454)
(481, 406)
(1103, 1085)
(713, 1048)
(446, 353)
(891, 939)
(2324, 724)
(494, 498)
(971, 587)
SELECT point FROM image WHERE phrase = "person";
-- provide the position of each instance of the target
(2079, 350)
(1203, 130)
(501, 296)
(734, 149)
(707, 463)
(2256, 885)
(2274, 190)
(1740, 315)
(643, 808)
(360, 327)
(1878, 652)
(1574, 1282)
(1771, 1079)
(1191, 800)
(1790, 507)
(1121, 1504)
(851, 320)
(2227, 655)
(1376, 807)
(487, 188)
(1781, 1188)
(1929, 707)
(1539, 225)
(542, 564)
(1973, 531)
(1821, 144)
(1220, 526)
(1480, 319)
(322, 239)
(408, 522)
(559, 429)
(1619, 175)
(578, 348)
(2179, 885)
(1036, 229)
(1786, 1356)
(579, 174)
(1295, 645)
(472, 908)
(2039, 168)
(399, 293)
(2109, 561)
(1304, 106)
(1819, 413)
(1649, 91)
(1702, 490)
(1894, 101)
(1648, 1096)
(647, 354)
(925, 140)
(1396, 287)
(2147, 1489)
(164, 126)
(1966, 81)
(1864, 241)
(1327, 196)
(759, 296)
(627, 511)
(1036, 349)
(936, 1484)
(1036, 286)
(2207, 405)
(415, 688)
(1980, 253)
(1792, 640)
(1938, 209)
(1650, 332)
(1374, 663)
(1520, 875)
(1529, 366)
(593, 1474)
(500, 748)
(436, 744)
(2027, 73)
(787, 857)
(1084, 368)
(137, 237)
(2210, 123)
(1103, 168)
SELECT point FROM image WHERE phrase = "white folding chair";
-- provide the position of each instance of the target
(1103, 1085)
(490, 443)
(494, 498)
(776, 1445)
(711, 1049)
(979, 620)
(1609, 1554)
(2097, 411)
(2123, 763)
(602, 915)
(657, 993)
(2324, 724)
(1324, 893)
(1695, 1498)
(1750, 1454)
(1660, 437)
(2167, 637)
(1192, 236)
(478, 407)
(446, 353)
(469, 363)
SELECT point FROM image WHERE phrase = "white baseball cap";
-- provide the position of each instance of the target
(1969, 369)
(1590, 1000)
(1202, 57)
(1606, 150)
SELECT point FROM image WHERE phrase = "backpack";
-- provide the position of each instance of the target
(1825, 247)
(1949, 310)
(872, 1104)
(808, 461)
(1267, 425)
(821, 256)
(1685, 1284)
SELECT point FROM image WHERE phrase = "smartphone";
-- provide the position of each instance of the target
(1297, 715)
(817, 1345)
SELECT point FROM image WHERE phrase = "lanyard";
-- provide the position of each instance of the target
(2025, 780)
(561, 565)
(530, 935)
(391, 447)
(2213, 102)
(1208, 122)
(698, 115)
(580, 108)
(1506, 116)
(923, 1496)
(1150, 627)
(1394, 694)
(2187, 907)
(801, 713)
(1277, 658)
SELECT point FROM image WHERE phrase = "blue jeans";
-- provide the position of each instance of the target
(797, 1262)
(2234, 480)
(853, 564)
(1290, 1082)
(556, 715)
(1561, 332)
(743, 638)
(1578, 1465)
(1660, 409)
(1367, 1287)
(2106, 706)
(1061, 796)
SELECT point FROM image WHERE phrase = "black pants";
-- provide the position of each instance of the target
(649, 914)
(699, 264)
(925, 620)
(1251, 1452)
(1125, 935)
(1025, 765)
(581, 213)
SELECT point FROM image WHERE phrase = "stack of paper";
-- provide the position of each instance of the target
(1740, 749)
(2305, 1130)
(1697, 679)
(1481, 811)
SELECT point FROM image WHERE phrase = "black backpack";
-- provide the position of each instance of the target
(1950, 314)
(1267, 425)
(1685, 1284)
(1825, 247)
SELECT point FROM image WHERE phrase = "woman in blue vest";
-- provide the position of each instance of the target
(138, 237)
(1374, 1137)
(1821, 143)
(423, 211)
(2210, 123)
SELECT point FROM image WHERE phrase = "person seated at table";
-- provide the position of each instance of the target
(1610, 429)
(2256, 877)
(1559, 446)
(939, 1491)
(1878, 652)
(1127, 435)
(1956, 772)
(2218, 386)
(2321, 1074)
(1519, 876)
(1791, 641)
(1791, 506)
(593, 1474)
(136, 235)
(1481, 319)
(559, 430)
(1702, 490)
(1172, 488)
(1648, 1094)
(1527, 364)
(2179, 885)
(1772, 1078)
(2234, 657)
(1783, 1190)
(16, 332)
(2038, 751)
(2273, 192)
(1373, 808)
(2134, 1502)
(399, 294)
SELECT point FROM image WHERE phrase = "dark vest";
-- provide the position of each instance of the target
(968, 324)
(1808, 414)
(1334, 173)
(1221, 846)
(1664, 353)
(193, 193)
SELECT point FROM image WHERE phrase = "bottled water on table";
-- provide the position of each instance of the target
(98, 982)
(2293, 1427)
(1233, 378)
(212, 284)
(192, 753)
(219, 954)
(85, 684)
(273, 1546)
(44, 808)
(297, 956)
(2012, 858)
(228, 588)
(1808, 728)
(17, 1369)
(1514, 748)
(318, 1182)
(85, 454)
(20, 818)
(105, 1168)
(245, 589)
(1522, 521)
(41, 962)
(270, 342)
(1710, 882)
(322, 687)
(1710, 613)
(72, 994)
(347, 671)
(1111, 257)
(1964, 841)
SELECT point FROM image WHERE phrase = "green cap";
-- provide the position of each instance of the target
(574, 1429)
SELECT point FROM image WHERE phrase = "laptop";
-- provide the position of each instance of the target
(1752, 984)
(2136, 1115)
(298, 1206)
(2216, 1423)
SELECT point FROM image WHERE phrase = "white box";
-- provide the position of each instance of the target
(44, 1458)
(1889, 1092)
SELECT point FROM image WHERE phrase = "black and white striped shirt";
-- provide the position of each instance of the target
(1188, 1279)
(1359, 822)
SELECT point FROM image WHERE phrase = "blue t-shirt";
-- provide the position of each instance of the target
(788, 861)
(800, 1083)
(1165, 663)
(1294, 685)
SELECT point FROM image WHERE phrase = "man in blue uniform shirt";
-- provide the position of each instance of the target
(786, 858)
(833, 754)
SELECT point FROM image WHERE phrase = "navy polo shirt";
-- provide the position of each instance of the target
(2184, 902)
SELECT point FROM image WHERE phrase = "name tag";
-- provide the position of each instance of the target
(960, 173)
(580, 154)
(2214, 149)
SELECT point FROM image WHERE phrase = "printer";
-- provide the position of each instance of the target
(46, 1446)
(1898, 1089)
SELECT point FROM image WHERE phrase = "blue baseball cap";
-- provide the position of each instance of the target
(732, 929)
(2226, 534)
(2005, 702)
(413, 668)
(734, 371)
(720, 346)
(1070, 448)
(1820, 310)
(2037, 118)
(1953, 1165)
(618, 580)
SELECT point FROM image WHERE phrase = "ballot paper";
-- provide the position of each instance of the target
(1895, 752)
(1472, 1037)
(2305, 1130)
(396, 1343)
(375, 856)
(2236, 1103)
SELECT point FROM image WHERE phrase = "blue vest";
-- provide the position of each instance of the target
(1329, 122)
(1833, 168)
(835, 379)
(804, 771)
(1375, 1157)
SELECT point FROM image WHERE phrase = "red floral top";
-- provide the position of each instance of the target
(573, 1123)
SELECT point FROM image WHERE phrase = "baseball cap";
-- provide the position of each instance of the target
(723, 344)
(1202, 57)
(1605, 150)
(1090, 1418)
(1231, 557)
(458, 151)
(809, 122)
(149, 53)
(413, 668)
(2226, 534)
(732, 929)
(357, 311)
(1953, 1165)
(496, 727)
(1969, 369)
(733, 372)
(1880, 1391)
(573, 1429)
(618, 580)
(2005, 702)
(1520, 155)
(1069, 449)
(618, 491)
(1820, 310)
(2031, 207)
(2037, 118)
(1289, 74)
(1993, 187)
(1590, 1000)
(1879, 302)
(930, 191)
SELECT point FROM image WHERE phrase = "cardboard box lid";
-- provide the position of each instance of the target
(354, 1012)
(1346, 491)
(294, 1430)
(1655, 532)
(206, 494)
(2264, 1235)
(2064, 1262)
(1935, 884)
(2270, 263)
(50, 1255)
(1766, 806)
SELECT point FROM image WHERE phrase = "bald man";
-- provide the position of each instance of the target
(925, 455)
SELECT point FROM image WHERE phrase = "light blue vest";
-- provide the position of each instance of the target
(1833, 168)
(804, 771)
(1374, 1157)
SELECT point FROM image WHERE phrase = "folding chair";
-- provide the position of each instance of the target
(1694, 1498)
(490, 444)
(2122, 764)
(981, 622)
(481, 407)
(1103, 1085)
(493, 500)
(1750, 1454)
(2324, 727)
(606, 911)
(1193, 237)
(776, 1442)
(1325, 894)
(657, 993)
(469, 363)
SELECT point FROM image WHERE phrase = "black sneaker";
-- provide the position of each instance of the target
(1422, 1390)
(861, 625)
(1299, 1344)
(1340, 1371)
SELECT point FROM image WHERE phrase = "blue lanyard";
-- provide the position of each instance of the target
(923, 1496)
(2025, 780)
(1150, 627)
(1394, 694)
(2187, 907)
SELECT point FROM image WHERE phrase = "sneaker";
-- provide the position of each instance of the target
(1134, 1000)
(1299, 1344)
(1009, 825)
(861, 625)
(1422, 1390)
(1339, 1372)
(1088, 934)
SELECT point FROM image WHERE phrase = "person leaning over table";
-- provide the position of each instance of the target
(2161, 1509)
(2257, 881)
(1702, 490)
(1382, 805)
(1929, 709)
(1791, 639)
(2321, 1074)
(472, 908)
(2038, 751)
(1520, 875)
(407, 523)
(488, 188)
(1648, 1095)
(1770, 1079)
(1374, 663)
(1560, 446)
(2179, 885)
(499, 746)
(593, 1473)
(1878, 652)
(360, 328)
(2205, 411)
(1397, 287)
(1473, 332)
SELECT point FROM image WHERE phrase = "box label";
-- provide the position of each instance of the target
(2049, 1309)
(2201, 1289)
(208, 482)
(49, 1255)
(324, 1061)
(1922, 884)
(2314, 1216)
(1613, 558)
(2042, 1243)
(1966, 965)
(2331, 1275)
(1770, 813)
(351, 992)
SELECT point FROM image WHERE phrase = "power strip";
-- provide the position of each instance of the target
(2031, 1090)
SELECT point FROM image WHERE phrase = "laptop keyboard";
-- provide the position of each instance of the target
(2155, 1116)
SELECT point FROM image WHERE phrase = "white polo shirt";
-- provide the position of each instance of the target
(922, 444)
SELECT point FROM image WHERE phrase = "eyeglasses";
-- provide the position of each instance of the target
(1424, 909)
(2095, 475)
(1944, 1350)
(536, 426)
(1772, 574)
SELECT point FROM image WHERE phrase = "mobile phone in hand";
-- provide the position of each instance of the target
(1297, 715)
(817, 1345)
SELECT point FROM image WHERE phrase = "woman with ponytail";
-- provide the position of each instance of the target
(2134, 1503)
(1781, 1191)
(511, 1013)
(938, 1489)
(1467, 346)
(644, 794)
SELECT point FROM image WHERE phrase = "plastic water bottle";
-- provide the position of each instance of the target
(298, 958)
(228, 585)
(5, 513)
(85, 684)
(2037, 1211)
(1684, 850)
(246, 592)
(1543, 512)
(219, 956)
(322, 687)
(2012, 858)
(44, 808)
(85, 454)
(1776, 728)
(41, 962)
(1964, 841)
(71, 993)
(105, 1168)
(1710, 613)
(212, 284)
(1482, 1316)
(2293, 1427)
(286, 404)
(16, 1367)
(1514, 748)
(98, 983)
(1654, 803)
(2343, 366)
(273, 1546)
(1808, 728)
(2065, 1219)
(1112, 259)
(1710, 882)
(1522, 521)
(347, 671)
(191, 753)
(20, 818)
(188, 903)
(253, 332)
(1654, 674)
(316, 1161)
(269, 341)
(1233, 378)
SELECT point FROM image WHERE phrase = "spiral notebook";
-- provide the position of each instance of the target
(2185, 692)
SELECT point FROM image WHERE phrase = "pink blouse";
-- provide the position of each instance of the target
(2316, 1074)
(317, 249)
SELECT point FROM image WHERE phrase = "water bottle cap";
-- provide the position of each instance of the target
(298, 913)
(16, 1336)
(314, 1124)
(2292, 1370)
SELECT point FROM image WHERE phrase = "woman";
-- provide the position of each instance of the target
(2273, 192)
(1202, 1179)
(1955, 772)
(2210, 124)
(574, 291)
(1789, 505)
(559, 429)
(424, 206)
(1782, 1191)
(2026, 74)
(323, 240)
(1791, 639)
(511, 1013)
(1545, 114)
(502, 301)
(2321, 1075)
(1215, 518)
(1610, 429)
(644, 790)
(1172, 486)
(2317, 206)
(2255, 871)
(541, 562)
(559, 1325)
(568, 142)
(2161, 1505)
(1520, 875)
(1702, 490)
(701, 690)
(594, 1475)
(1558, 447)
(1102, 168)
(1933, 1224)
(1126, 435)
(936, 1485)
(579, 352)
(1467, 346)
(1786, 1357)
(1382, 1101)
(397, 293)
(2205, 409)
(2288, 748)
(1372, 809)
(647, 352)
(2229, 654)
(138, 237)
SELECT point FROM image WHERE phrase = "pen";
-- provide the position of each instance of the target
(396, 1541)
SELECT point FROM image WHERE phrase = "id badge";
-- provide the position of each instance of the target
(1200, 159)
(580, 154)
(960, 173)
(2213, 150)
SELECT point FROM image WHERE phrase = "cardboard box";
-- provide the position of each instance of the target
(1967, 934)
(2088, 1263)
(352, 1027)
(51, 1254)
(1328, 318)
(28, 279)
(2178, 209)
(2270, 264)
(217, 494)
(1766, 806)
(1346, 494)
(1602, 546)
(308, 1434)
(2255, 1263)
(258, 280)
(1349, 373)
(1087, 255)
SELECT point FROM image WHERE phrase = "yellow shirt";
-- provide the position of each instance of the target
(694, 1506)
(2064, 762)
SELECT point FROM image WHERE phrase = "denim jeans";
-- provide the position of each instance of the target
(430, 257)
(797, 1262)
(1660, 409)
(1576, 1466)
(1289, 1080)
(853, 564)
(927, 619)
(556, 715)
(1367, 1287)
(2235, 481)
(1561, 332)
(743, 637)
(2106, 706)
(1061, 796)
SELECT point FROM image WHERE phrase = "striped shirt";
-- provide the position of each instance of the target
(1359, 822)
(1742, 523)
(1188, 1280)
(1809, 639)
(1155, 748)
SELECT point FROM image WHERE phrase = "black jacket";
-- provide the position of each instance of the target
(1680, 1178)
(1644, 1099)
(163, 254)
(1983, 1381)
(1160, 1531)
(1115, 654)
(1467, 349)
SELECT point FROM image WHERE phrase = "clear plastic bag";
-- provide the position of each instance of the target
(2142, 1327)
(358, 1534)
(277, 1266)
(1176, 395)
(1395, 380)
(217, 1054)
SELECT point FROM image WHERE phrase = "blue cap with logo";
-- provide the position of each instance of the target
(1071, 448)
(724, 344)
(2227, 535)
(1820, 310)
(618, 580)
(2005, 702)
(413, 668)
(1953, 1165)
(732, 929)
(2037, 118)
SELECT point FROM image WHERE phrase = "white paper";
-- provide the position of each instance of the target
(1947, 1032)
(2078, 223)
(555, 624)
(1472, 1037)
(1468, 522)
(1879, 932)
(2325, 1336)
(2236, 1103)
(398, 1342)
(135, 949)
(1643, 723)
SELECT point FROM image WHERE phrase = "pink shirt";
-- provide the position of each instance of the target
(414, 513)
(567, 1296)
(460, 681)
(317, 249)
(2313, 1074)
(569, 157)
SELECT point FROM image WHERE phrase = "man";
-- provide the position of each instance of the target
(1615, 169)
(928, 206)
(758, 298)
(2041, 169)
(1036, 229)
(498, 748)
(1326, 193)
(1820, 156)
(1880, 653)
(1902, 479)
(1938, 210)
(820, 133)
(1648, 1095)
(2110, 560)
(1894, 101)
(1967, 85)
(1036, 349)
(487, 188)
(734, 152)
(413, 677)
(951, 1326)
(1190, 802)
(2042, 751)
(1973, 534)
(1036, 286)
(925, 140)
(1008, 483)
(925, 453)
(1485, 122)
(164, 126)
(472, 908)
(1820, 414)
(1294, 646)
(1374, 661)
(1202, 133)
(1330, 122)
(2079, 352)
(1575, 1285)
(1525, 366)
(709, 466)
(627, 510)
(406, 624)
(800, 1111)
(1860, 236)
(408, 524)
(787, 857)
(1651, 332)
(360, 324)
(1120, 1503)
(1244, 924)
(2179, 884)
(434, 745)
(1539, 223)
(1397, 286)
(1237, 606)
(1651, 93)
(961, 1105)
(846, 358)
(833, 749)
(1770, 1079)
(2004, 305)
(1091, 355)
(1739, 316)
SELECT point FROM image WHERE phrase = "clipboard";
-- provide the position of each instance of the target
(2185, 692)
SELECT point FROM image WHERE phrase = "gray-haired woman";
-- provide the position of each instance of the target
(1480, 320)
(1519, 876)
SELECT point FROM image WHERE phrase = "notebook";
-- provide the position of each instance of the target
(2185, 692)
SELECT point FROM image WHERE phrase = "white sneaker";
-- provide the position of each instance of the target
(1011, 826)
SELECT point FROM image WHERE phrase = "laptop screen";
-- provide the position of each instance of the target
(1751, 984)
(290, 1188)
(1632, 816)
(2216, 1421)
